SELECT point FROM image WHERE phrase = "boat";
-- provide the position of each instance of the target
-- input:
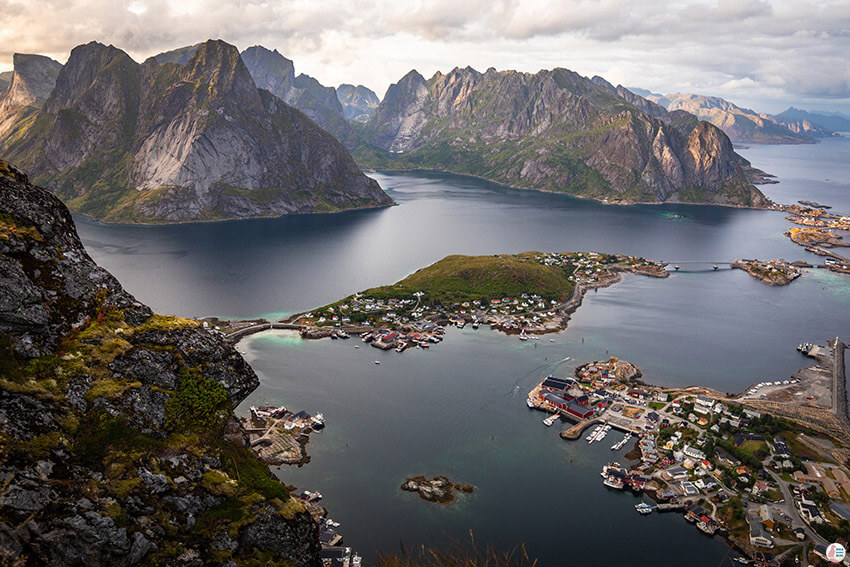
(707, 528)
(676, 268)
(714, 266)
(318, 421)
(342, 334)
(551, 419)
(377, 362)
(529, 403)
(643, 508)
(612, 481)
(368, 337)
(475, 324)
(334, 335)
(523, 336)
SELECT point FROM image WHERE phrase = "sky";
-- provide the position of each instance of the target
(766, 55)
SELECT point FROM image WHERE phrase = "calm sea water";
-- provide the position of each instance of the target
(458, 409)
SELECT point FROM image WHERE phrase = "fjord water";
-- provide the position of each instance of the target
(458, 409)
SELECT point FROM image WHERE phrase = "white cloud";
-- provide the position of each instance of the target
(765, 52)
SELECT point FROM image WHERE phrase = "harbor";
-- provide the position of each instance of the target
(708, 456)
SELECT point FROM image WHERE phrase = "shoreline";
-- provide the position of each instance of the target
(96, 220)
(583, 198)
(564, 311)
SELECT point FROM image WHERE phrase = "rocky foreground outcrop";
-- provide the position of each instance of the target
(557, 131)
(118, 444)
(189, 138)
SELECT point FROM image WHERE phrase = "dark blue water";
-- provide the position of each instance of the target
(459, 409)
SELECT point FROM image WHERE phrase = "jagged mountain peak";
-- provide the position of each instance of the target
(180, 56)
(33, 79)
(555, 130)
(163, 142)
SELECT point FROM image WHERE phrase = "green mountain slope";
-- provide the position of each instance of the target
(555, 131)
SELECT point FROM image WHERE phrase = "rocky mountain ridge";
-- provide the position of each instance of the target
(275, 73)
(118, 444)
(167, 142)
(834, 121)
(554, 130)
(743, 125)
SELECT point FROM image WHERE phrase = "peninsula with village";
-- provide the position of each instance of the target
(769, 468)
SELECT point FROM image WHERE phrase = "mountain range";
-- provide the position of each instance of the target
(743, 125)
(184, 136)
(558, 131)
(829, 120)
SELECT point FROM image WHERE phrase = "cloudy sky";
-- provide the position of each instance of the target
(758, 53)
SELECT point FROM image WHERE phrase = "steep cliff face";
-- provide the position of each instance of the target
(275, 73)
(118, 444)
(358, 103)
(5, 81)
(557, 131)
(30, 84)
(163, 142)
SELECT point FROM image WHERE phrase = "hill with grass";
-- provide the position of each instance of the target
(456, 279)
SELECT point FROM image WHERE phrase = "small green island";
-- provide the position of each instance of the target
(527, 294)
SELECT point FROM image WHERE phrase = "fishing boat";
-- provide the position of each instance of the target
(643, 508)
(612, 481)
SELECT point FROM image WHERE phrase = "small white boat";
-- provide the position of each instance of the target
(523, 336)
(377, 362)
(529, 403)
(643, 508)
(551, 419)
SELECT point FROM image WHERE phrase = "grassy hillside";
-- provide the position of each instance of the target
(465, 278)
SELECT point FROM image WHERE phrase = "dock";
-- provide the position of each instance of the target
(576, 430)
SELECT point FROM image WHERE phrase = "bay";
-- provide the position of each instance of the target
(458, 409)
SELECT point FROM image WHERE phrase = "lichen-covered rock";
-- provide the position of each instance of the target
(118, 444)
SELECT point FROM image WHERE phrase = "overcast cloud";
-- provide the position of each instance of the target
(758, 53)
